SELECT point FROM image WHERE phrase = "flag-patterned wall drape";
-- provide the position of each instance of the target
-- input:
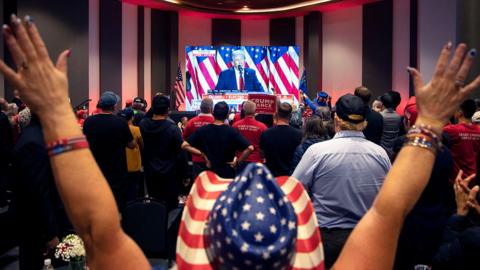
(276, 68)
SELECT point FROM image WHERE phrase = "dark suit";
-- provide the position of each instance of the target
(41, 215)
(228, 81)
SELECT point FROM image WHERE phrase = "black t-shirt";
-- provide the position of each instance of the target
(108, 135)
(219, 143)
(161, 138)
(278, 143)
(373, 131)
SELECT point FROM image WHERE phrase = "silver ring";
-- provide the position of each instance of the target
(459, 83)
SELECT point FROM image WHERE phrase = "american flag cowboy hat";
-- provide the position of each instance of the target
(253, 221)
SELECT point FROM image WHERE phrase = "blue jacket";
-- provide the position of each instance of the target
(227, 81)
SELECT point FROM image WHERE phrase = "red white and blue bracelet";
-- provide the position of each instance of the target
(65, 145)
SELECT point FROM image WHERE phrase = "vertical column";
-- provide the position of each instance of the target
(313, 51)
(342, 51)
(129, 51)
(94, 53)
(282, 31)
(413, 41)
(140, 51)
(436, 26)
(147, 55)
(226, 32)
(468, 23)
(377, 46)
(255, 32)
(164, 50)
(111, 46)
(401, 48)
(299, 42)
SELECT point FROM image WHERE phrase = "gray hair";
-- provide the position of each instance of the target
(238, 52)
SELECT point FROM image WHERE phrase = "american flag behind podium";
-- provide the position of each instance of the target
(276, 68)
(179, 90)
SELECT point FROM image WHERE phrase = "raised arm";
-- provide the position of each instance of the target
(87, 197)
(373, 243)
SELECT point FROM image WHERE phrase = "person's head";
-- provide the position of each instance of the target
(12, 109)
(128, 103)
(324, 113)
(16, 93)
(220, 111)
(107, 101)
(139, 104)
(314, 128)
(249, 108)
(238, 58)
(206, 106)
(377, 105)
(160, 105)
(387, 101)
(350, 113)
(396, 98)
(184, 120)
(476, 118)
(363, 93)
(322, 98)
(127, 113)
(284, 111)
(466, 110)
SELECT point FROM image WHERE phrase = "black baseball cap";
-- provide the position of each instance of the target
(350, 108)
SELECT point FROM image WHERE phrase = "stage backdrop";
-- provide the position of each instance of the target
(276, 68)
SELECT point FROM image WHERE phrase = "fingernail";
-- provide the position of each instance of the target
(473, 52)
(6, 29)
(29, 19)
(13, 17)
(449, 45)
(69, 52)
(409, 69)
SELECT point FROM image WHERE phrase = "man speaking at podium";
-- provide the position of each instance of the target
(239, 77)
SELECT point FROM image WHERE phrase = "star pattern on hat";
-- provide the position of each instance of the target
(257, 222)
(259, 216)
(258, 237)
(245, 225)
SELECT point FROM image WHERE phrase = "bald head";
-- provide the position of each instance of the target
(249, 108)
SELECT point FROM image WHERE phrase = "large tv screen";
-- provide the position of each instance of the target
(240, 69)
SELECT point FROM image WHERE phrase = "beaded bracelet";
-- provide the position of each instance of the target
(64, 145)
(420, 141)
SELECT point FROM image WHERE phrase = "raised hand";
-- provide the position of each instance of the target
(439, 99)
(40, 82)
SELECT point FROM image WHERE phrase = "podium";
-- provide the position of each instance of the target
(266, 102)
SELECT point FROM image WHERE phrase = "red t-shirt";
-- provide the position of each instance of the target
(192, 125)
(465, 146)
(252, 130)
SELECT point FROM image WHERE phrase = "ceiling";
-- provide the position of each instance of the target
(250, 7)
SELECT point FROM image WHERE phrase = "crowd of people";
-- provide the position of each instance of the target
(341, 153)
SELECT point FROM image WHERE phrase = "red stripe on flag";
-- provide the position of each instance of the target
(206, 75)
(283, 78)
(190, 239)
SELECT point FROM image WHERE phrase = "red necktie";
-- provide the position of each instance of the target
(241, 82)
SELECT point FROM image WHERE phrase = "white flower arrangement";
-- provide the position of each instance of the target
(70, 249)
